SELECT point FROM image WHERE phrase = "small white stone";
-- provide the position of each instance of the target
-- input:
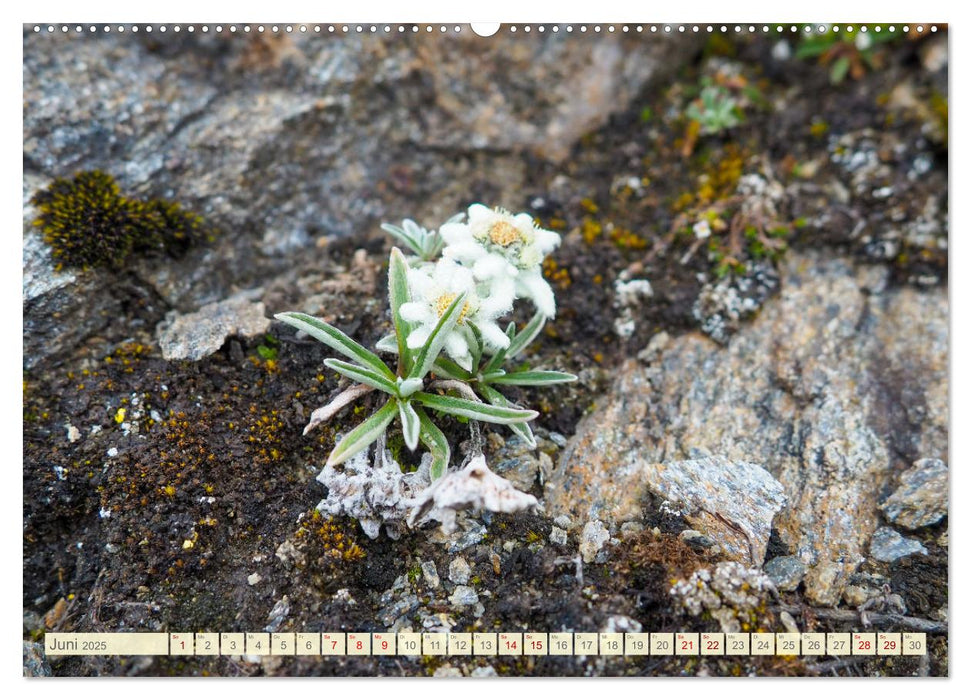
(73, 434)
(254, 579)
(459, 571)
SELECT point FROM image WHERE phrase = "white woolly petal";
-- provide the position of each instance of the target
(456, 345)
(490, 266)
(458, 349)
(464, 250)
(480, 213)
(502, 293)
(416, 312)
(546, 241)
(418, 337)
(420, 283)
(455, 232)
(533, 286)
(493, 335)
(460, 278)
(523, 222)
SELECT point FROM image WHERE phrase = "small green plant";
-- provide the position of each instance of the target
(847, 53)
(446, 337)
(89, 223)
(715, 110)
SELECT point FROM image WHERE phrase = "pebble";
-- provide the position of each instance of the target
(254, 579)
(463, 595)
(888, 545)
(430, 573)
(696, 540)
(73, 434)
(592, 539)
(785, 572)
(557, 536)
(921, 497)
(563, 521)
(459, 570)
(197, 335)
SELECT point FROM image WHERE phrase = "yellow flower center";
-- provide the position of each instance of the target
(503, 233)
(445, 301)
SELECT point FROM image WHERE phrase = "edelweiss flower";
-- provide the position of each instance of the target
(506, 251)
(433, 289)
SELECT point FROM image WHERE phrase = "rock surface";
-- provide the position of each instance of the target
(280, 140)
(786, 573)
(921, 497)
(839, 382)
(888, 546)
(200, 334)
(734, 502)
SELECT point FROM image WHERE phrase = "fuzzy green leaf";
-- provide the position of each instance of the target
(475, 410)
(364, 434)
(531, 378)
(449, 369)
(404, 237)
(363, 375)
(410, 424)
(527, 335)
(436, 341)
(398, 294)
(407, 387)
(388, 343)
(437, 444)
(336, 340)
(474, 338)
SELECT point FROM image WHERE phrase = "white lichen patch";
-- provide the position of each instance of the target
(729, 593)
(628, 297)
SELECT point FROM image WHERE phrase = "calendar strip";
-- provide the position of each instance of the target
(485, 644)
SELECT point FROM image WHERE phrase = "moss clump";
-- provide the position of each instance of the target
(89, 223)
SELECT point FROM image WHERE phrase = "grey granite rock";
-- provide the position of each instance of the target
(888, 546)
(840, 382)
(459, 570)
(462, 596)
(35, 661)
(785, 572)
(732, 502)
(592, 539)
(430, 573)
(921, 497)
(197, 335)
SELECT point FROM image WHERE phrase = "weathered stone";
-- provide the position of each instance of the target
(888, 545)
(921, 497)
(557, 536)
(35, 661)
(838, 383)
(463, 595)
(731, 502)
(197, 335)
(592, 539)
(459, 570)
(785, 572)
(430, 573)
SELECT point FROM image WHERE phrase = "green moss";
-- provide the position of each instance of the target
(89, 223)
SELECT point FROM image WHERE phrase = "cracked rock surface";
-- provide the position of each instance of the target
(837, 385)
